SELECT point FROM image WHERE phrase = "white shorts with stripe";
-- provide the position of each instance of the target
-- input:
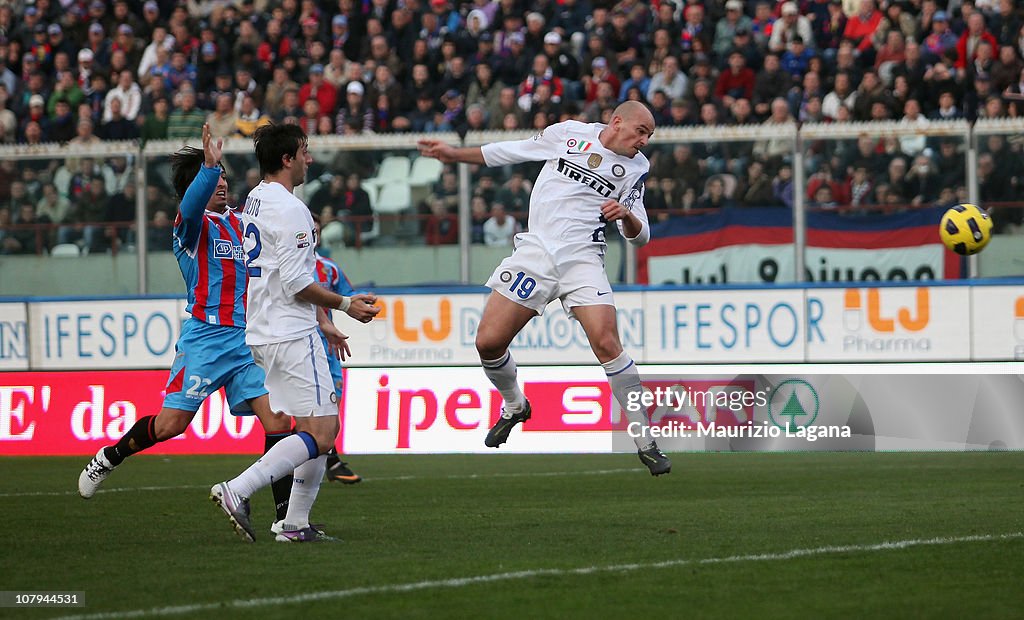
(298, 376)
(534, 277)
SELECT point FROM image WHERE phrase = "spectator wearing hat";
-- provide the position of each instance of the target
(25, 31)
(40, 48)
(940, 40)
(562, 62)
(98, 43)
(535, 29)
(599, 72)
(860, 28)
(514, 64)
(127, 42)
(354, 110)
(303, 43)
(453, 114)
(725, 29)
(151, 19)
(35, 112)
(789, 27)
(207, 66)
(318, 88)
(59, 41)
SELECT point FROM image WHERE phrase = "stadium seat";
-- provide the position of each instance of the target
(392, 168)
(371, 191)
(310, 188)
(394, 197)
(425, 171)
(65, 250)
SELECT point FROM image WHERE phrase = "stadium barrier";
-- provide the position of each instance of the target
(448, 410)
(78, 372)
(721, 151)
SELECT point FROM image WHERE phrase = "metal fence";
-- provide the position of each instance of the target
(376, 196)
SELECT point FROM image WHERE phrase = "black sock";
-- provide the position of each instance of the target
(137, 439)
(282, 488)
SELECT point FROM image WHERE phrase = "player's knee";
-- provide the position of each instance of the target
(488, 347)
(169, 426)
(606, 346)
(275, 422)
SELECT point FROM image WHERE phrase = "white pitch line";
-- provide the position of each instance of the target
(540, 572)
(537, 474)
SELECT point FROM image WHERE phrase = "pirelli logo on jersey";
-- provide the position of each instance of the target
(587, 177)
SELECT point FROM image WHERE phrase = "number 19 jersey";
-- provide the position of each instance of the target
(579, 176)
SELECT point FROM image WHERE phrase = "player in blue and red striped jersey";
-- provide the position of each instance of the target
(330, 276)
(211, 352)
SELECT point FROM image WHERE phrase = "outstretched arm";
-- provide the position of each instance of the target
(360, 306)
(541, 147)
(448, 154)
(189, 223)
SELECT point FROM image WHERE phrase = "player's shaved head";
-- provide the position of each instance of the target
(634, 111)
(630, 129)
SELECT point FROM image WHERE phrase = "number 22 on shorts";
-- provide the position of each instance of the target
(523, 285)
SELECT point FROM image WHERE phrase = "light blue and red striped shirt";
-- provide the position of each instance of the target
(330, 276)
(208, 247)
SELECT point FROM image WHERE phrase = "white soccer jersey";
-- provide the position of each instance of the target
(278, 241)
(580, 175)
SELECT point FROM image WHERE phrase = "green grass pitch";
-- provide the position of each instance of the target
(536, 536)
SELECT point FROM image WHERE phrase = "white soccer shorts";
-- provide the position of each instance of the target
(531, 277)
(298, 377)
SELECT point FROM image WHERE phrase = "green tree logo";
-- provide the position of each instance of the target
(793, 405)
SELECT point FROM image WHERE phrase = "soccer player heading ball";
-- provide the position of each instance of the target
(594, 174)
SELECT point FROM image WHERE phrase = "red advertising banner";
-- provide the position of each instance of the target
(76, 413)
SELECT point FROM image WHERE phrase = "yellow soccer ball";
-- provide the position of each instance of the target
(965, 229)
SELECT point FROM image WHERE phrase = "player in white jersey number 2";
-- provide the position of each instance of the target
(594, 174)
(282, 314)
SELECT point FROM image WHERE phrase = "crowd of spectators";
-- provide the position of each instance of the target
(81, 71)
